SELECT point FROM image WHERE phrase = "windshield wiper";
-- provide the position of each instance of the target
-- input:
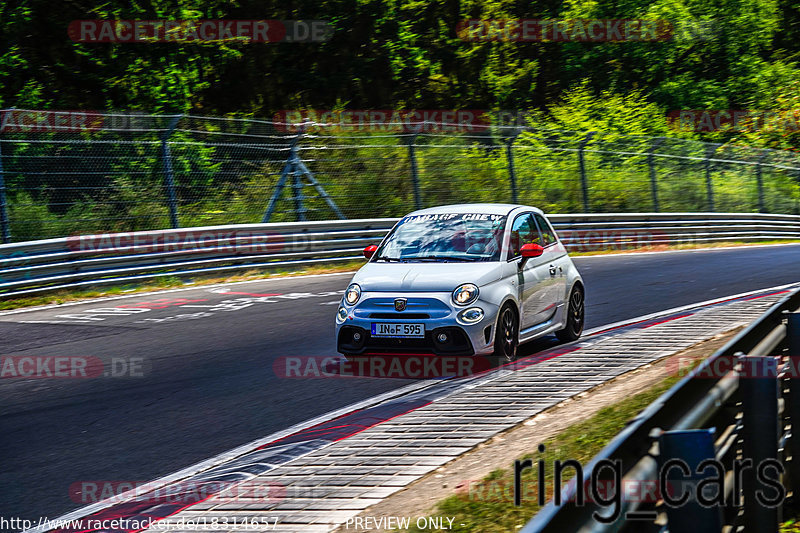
(390, 259)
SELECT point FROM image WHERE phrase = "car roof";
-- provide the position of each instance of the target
(489, 209)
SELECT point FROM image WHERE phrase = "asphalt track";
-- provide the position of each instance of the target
(206, 382)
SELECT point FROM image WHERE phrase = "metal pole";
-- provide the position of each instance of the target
(793, 406)
(582, 168)
(760, 432)
(512, 175)
(297, 192)
(169, 178)
(412, 156)
(5, 230)
(651, 163)
(320, 189)
(760, 183)
(288, 168)
(691, 447)
(709, 186)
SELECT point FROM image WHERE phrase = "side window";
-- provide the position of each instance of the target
(523, 231)
(548, 236)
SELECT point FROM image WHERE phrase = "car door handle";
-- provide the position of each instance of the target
(552, 270)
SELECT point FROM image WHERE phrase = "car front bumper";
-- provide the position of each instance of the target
(435, 310)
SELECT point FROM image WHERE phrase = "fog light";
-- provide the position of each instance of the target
(473, 315)
(341, 314)
(441, 337)
(356, 336)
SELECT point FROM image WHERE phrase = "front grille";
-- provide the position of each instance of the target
(457, 343)
(399, 316)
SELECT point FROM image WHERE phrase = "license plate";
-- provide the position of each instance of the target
(382, 329)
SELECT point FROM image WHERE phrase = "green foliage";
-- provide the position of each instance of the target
(398, 54)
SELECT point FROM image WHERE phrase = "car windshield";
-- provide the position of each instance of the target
(444, 237)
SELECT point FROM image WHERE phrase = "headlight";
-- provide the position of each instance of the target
(341, 314)
(352, 294)
(465, 294)
(473, 315)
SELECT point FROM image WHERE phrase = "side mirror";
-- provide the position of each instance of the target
(531, 250)
(370, 250)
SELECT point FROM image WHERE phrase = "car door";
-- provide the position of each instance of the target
(554, 259)
(532, 278)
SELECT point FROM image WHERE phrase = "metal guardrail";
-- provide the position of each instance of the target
(740, 404)
(84, 260)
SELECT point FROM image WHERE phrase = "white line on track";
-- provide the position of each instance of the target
(166, 291)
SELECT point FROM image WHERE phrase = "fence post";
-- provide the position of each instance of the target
(297, 192)
(652, 166)
(582, 168)
(512, 174)
(169, 178)
(758, 384)
(5, 230)
(793, 406)
(760, 183)
(692, 447)
(710, 149)
(412, 156)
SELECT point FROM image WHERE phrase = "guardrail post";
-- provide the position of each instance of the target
(760, 183)
(793, 405)
(582, 169)
(5, 230)
(169, 178)
(512, 175)
(709, 185)
(651, 164)
(758, 384)
(691, 447)
(412, 157)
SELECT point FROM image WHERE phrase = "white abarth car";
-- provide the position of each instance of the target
(470, 279)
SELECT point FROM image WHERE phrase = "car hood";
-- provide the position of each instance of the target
(424, 277)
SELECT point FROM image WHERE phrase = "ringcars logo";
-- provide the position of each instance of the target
(93, 491)
(565, 30)
(403, 120)
(380, 366)
(233, 241)
(29, 120)
(188, 31)
(737, 120)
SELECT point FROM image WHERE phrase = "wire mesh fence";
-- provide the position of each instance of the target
(97, 173)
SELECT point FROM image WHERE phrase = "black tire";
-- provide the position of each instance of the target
(575, 316)
(506, 335)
